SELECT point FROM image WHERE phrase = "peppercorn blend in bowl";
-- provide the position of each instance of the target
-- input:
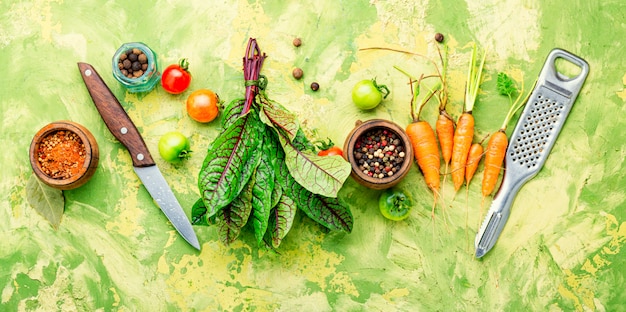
(135, 66)
(64, 155)
(379, 152)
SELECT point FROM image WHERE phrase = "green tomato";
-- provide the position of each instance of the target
(174, 146)
(395, 204)
(366, 94)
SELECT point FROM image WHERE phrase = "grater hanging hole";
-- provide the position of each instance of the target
(565, 69)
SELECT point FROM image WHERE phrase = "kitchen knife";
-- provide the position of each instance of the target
(122, 128)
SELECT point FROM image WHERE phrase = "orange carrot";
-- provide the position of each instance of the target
(445, 133)
(494, 157)
(464, 133)
(422, 138)
(474, 157)
(424, 145)
(496, 147)
(444, 125)
(463, 137)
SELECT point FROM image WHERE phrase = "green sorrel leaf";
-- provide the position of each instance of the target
(276, 116)
(47, 201)
(322, 175)
(302, 143)
(234, 216)
(232, 111)
(263, 188)
(281, 220)
(199, 213)
(231, 159)
(327, 211)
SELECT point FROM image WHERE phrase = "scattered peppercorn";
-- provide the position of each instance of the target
(439, 37)
(379, 153)
(297, 42)
(297, 73)
(133, 63)
(315, 86)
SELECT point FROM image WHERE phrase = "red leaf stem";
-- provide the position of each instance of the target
(252, 63)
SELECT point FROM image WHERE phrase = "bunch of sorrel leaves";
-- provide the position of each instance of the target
(261, 169)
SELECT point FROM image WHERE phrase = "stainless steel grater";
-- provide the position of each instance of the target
(533, 137)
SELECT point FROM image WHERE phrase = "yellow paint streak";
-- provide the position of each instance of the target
(226, 276)
(342, 283)
(130, 212)
(189, 278)
(568, 294)
(116, 297)
(622, 94)
(581, 287)
(396, 293)
(41, 12)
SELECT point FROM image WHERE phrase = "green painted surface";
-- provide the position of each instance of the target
(560, 251)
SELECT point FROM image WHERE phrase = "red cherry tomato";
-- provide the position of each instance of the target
(176, 77)
(328, 149)
(331, 151)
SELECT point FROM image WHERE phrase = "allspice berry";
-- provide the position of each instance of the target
(297, 42)
(439, 37)
(133, 63)
(297, 73)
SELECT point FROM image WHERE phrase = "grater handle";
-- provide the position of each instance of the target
(568, 86)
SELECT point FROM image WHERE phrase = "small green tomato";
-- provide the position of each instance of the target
(367, 94)
(174, 146)
(395, 204)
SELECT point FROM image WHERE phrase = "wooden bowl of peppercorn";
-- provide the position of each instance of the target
(379, 152)
(64, 155)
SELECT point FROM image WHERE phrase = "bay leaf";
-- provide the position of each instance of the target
(47, 201)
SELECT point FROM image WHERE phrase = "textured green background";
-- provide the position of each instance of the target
(560, 251)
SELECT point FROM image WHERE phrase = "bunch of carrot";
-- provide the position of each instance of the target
(455, 143)
(461, 155)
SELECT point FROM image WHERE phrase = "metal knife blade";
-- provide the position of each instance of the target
(123, 129)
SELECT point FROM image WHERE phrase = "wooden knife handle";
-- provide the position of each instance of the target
(115, 117)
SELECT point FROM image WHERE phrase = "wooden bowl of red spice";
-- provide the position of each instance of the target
(379, 152)
(64, 155)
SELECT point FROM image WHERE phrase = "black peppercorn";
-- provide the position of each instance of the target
(315, 86)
